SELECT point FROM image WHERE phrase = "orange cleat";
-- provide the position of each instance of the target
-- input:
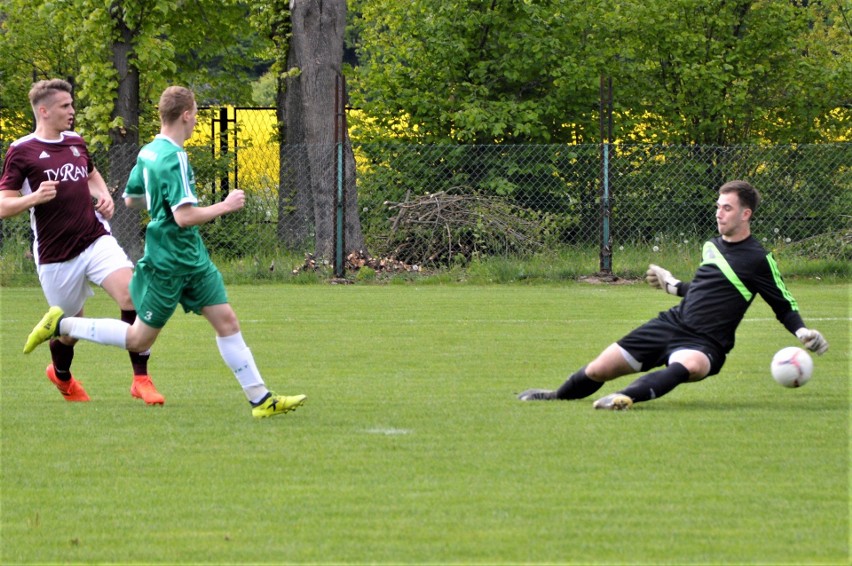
(143, 388)
(72, 389)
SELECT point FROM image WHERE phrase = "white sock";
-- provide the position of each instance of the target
(106, 331)
(238, 357)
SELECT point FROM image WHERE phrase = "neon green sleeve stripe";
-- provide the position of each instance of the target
(712, 256)
(779, 282)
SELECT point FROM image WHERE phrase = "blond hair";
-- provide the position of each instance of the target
(45, 89)
(174, 101)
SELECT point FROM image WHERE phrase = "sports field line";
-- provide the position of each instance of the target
(509, 320)
(807, 318)
(638, 320)
(536, 320)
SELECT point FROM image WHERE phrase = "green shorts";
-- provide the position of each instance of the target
(156, 294)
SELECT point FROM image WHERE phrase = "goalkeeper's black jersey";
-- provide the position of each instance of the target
(730, 276)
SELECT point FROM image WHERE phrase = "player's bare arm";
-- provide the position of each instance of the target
(137, 203)
(188, 215)
(99, 191)
(13, 203)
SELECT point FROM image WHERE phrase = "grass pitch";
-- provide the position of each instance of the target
(412, 447)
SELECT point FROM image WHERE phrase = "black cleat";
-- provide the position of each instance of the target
(538, 395)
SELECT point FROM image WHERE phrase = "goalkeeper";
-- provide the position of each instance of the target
(692, 338)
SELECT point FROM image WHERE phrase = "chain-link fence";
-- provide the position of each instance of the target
(428, 203)
(569, 195)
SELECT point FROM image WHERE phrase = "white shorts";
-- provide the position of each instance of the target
(65, 284)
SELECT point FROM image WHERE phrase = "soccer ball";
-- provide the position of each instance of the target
(792, 367)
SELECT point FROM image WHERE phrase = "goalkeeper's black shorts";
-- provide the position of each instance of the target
(655, 341)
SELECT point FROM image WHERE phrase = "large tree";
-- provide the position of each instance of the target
(310, 133)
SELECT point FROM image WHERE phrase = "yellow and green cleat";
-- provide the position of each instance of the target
(47, 328)
(277, 405)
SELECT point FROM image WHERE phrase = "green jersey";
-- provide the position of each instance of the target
(163, 176)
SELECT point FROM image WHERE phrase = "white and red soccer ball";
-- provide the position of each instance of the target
(792, 367)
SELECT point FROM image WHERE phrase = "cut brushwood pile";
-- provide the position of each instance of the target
(357, 260)
(439, 227)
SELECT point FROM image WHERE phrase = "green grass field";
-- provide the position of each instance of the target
(412, 447)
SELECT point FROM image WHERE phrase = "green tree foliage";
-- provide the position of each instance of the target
(208, 45)
(484, 71)
(479, 71)
(723, 72)
(28, 49)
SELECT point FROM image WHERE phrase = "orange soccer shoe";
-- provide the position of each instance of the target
(72, 389)
(143, 388)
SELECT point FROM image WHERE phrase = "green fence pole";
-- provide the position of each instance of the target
(606, 138)
(340, 134)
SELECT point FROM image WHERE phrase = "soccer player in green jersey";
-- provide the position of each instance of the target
(175, 268)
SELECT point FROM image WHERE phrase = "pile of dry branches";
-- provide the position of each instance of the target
(437, 228)
(359, 259)
(355, 261)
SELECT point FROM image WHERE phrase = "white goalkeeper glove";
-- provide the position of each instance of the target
(658, 277)
(812, 340)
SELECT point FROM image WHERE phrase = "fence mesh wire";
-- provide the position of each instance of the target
(425, 203)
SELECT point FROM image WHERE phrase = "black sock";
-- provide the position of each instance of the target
(656, 384)
(61, 355)
(577, 386)
(138, 360)
(139, 363)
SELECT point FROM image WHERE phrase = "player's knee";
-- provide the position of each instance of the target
(610, 364)
(696, 363)
(224, 320)
(136, 343)
(602, 370)
(227, 327)
(698, 373)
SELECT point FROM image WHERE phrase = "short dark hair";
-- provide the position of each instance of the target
(174, 101)
(748, 195)
(47, 88)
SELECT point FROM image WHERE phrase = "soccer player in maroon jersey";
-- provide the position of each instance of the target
(176, 269)
(49, 173)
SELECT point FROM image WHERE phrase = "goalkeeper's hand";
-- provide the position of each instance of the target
(812, 340)
(658, 277)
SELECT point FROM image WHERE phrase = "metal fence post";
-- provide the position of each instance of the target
(223, 147)
(606, 139)
(340, 138)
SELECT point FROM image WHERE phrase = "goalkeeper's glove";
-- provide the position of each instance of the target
(658, 277)
(812, 340)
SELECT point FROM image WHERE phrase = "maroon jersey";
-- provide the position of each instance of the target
(66, 225)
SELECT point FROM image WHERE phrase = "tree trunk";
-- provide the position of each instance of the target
(294, 195)
(316, 48)
(126, 225)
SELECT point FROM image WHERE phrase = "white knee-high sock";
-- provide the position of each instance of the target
(239, 358)
(107, 331)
